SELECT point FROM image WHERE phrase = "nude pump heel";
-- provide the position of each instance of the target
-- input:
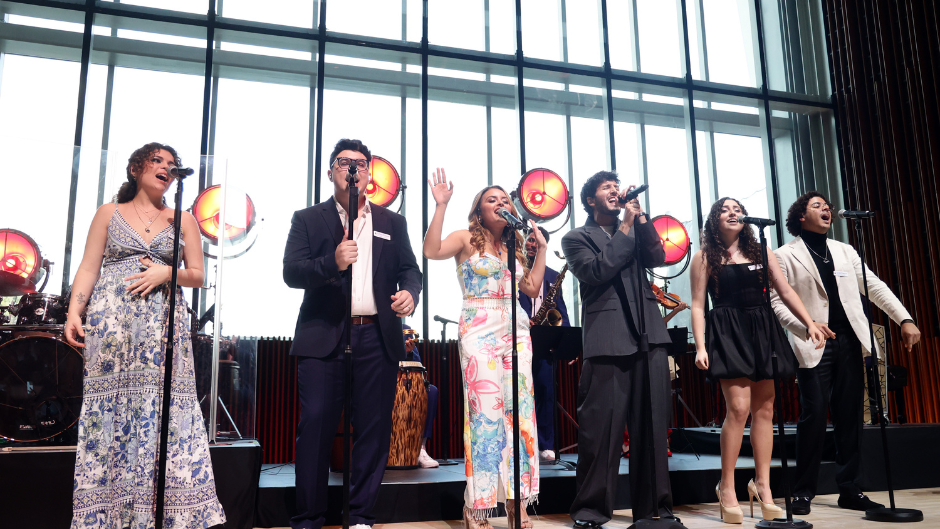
(768, 511)
(728, 514)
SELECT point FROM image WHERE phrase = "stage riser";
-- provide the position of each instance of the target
(37, 486)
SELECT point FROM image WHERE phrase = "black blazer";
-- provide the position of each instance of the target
(526, 302)
(607, 273)
(310, 264)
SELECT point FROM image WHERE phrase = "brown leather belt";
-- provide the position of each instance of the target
(362, 320)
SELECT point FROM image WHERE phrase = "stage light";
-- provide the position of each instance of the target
(674, 237)
(542, 194)
(239, 220)
(20, 263)
(385, 184)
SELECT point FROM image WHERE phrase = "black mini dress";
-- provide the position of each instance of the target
(741, 330)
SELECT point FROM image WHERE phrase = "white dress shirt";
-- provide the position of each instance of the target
(537, 302)
(363, 298)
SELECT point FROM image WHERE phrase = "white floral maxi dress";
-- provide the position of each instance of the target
(486, 360)
(119, 425)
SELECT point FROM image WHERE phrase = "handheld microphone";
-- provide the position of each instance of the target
(180, 172)
(757, 221)
(633, 194)
(849, 214)
(444, 320)
(515, 223)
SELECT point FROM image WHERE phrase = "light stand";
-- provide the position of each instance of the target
(444, 407)
(790, 522)
(168, 357)
(881, 514)
(352, 213)
(509, 237)
(643, 348)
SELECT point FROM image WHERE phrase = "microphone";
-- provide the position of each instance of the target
(633, 194)
(849, 214)
(757, 221)
(180, 172)
(444, 320)
(515, 223)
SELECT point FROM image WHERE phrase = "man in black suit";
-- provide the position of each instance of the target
(543, 373)
(616, 383)
(386, 283)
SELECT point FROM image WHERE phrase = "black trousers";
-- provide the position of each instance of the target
(834, 386)
(320, 384)
(613, 393)
(543, 378)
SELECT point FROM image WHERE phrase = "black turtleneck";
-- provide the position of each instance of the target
(819, 251)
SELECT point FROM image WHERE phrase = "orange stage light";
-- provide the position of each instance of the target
(238, 222)
(20, 262)
(674, 237)
(542, 194)
(385, 184)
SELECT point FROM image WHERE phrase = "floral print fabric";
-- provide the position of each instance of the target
(119, 425)
(486, 360)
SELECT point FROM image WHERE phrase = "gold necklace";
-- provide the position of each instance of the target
(150, 219)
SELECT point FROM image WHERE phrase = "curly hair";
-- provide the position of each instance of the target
(478, 231)
(715, 252)
(136, 164)
(798, 209)
(589, 189)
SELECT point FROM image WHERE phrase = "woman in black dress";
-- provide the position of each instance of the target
(735, 343)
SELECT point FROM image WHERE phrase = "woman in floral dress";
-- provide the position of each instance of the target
(124, 281)
(486, 351)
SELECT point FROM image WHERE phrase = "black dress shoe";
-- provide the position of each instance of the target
(586, 524)
(858, 502)
(800, 505)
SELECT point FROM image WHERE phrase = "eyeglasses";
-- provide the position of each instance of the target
(344, 162)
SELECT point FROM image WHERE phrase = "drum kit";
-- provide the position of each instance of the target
(409, 415)
(40, 373)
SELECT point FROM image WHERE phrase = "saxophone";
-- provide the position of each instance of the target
(548, 314)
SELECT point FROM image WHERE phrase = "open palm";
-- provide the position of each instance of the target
(441, 189)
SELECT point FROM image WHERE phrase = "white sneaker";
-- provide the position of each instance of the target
(426, 461)
(547, 455)
(360, 526)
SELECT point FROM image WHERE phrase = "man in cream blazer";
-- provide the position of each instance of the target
(827, 275)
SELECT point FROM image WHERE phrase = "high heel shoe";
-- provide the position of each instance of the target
(511, 516)
(728, 514)
(469, 522)
(768, 511)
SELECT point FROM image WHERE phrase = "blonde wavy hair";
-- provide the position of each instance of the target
(478, 231)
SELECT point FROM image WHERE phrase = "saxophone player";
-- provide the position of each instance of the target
(543, 373)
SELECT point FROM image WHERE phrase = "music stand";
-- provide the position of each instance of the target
(553, 344)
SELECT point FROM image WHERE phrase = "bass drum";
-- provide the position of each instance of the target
(40, 385)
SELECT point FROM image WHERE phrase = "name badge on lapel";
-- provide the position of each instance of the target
(381, 235)
(840, 273)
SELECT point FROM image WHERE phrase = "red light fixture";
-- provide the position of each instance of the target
(238, 223)
(542, 194)
(674, 237)
(385, 184)
(20, 263)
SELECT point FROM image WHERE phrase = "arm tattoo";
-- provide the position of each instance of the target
(80, 298)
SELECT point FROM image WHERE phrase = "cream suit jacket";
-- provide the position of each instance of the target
(801, 273)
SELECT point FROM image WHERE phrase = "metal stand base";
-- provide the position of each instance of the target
(783, 523)
(887, 514)
(657, 523)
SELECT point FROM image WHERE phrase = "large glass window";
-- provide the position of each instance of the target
(254, 118)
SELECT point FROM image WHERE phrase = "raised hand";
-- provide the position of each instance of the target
(441, 189)
(539, 238)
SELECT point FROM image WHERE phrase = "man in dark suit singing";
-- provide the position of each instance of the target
(386, 283)
(543, 373)
(604, 255)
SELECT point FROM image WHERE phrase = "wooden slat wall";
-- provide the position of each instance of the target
(885, 66)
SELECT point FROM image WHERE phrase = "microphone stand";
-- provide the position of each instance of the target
(352, 213)
(789, 522)
(168, 357)
(881, 514)
(444, 407)
(643, 348)
(509, 237)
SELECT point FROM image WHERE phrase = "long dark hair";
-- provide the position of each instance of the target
(715, 252)
(136, 163)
